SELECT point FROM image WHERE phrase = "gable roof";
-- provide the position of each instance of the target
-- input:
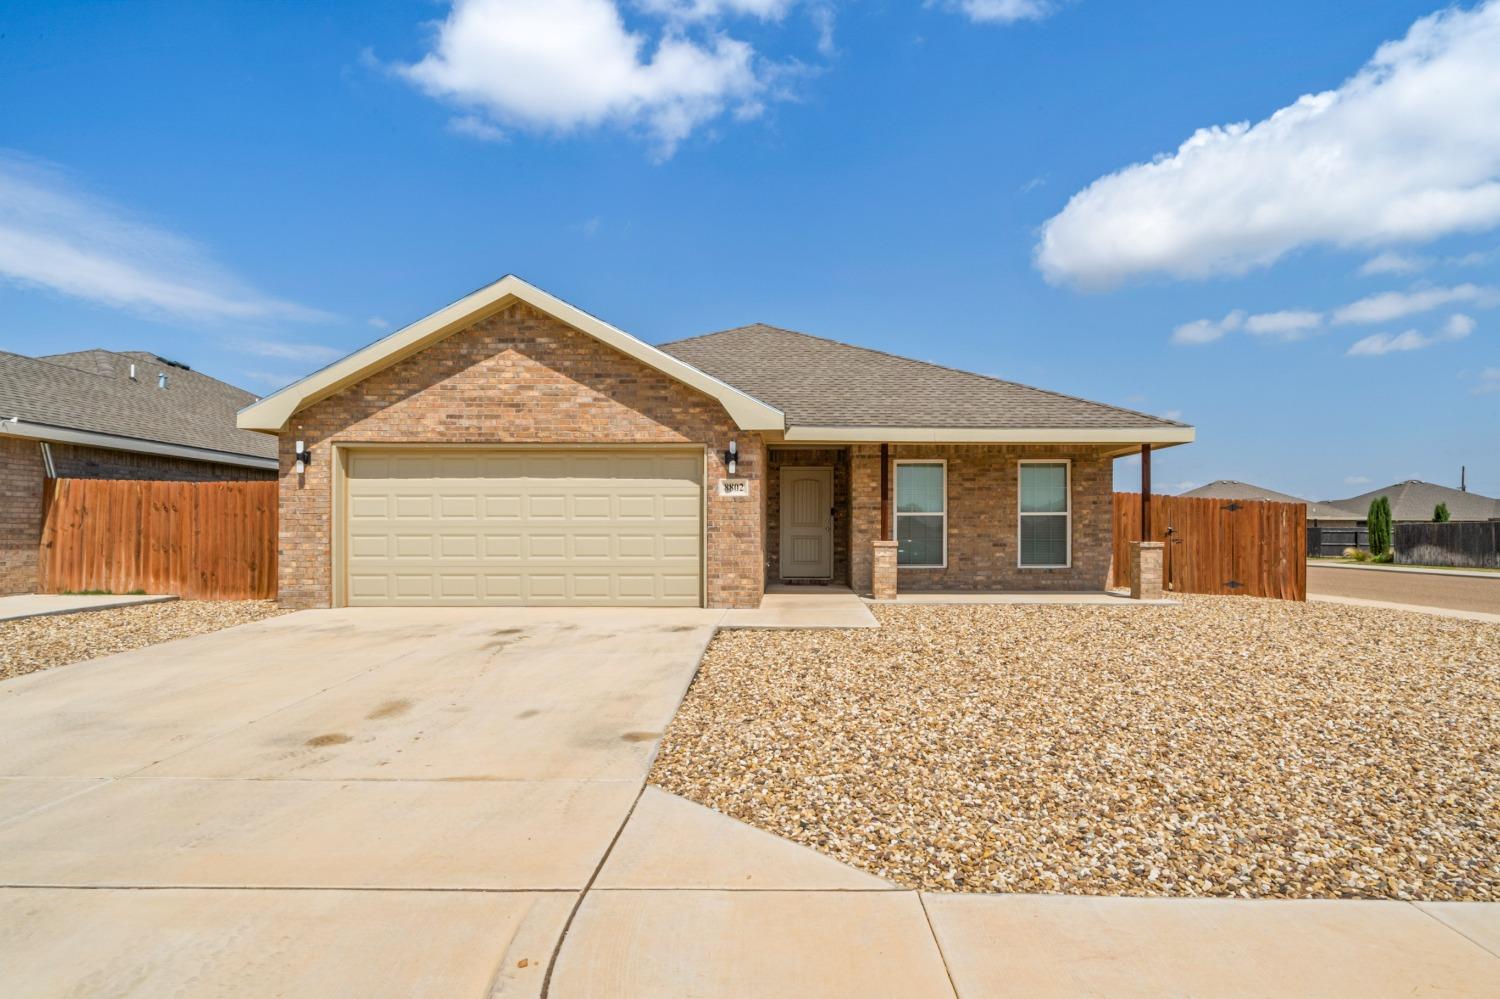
(270, 414)
(1415, 500)
(1231, 489)
(88, 397)
(832, 390)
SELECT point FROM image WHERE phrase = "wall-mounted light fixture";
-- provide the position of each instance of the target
(731, 457)
(303, 456)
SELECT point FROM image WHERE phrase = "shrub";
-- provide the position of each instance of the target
(1380, 525)
(1440, 513)
(1357, 554)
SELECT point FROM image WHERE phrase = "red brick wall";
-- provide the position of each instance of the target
(519, 377)
(982, 527)
(20, 513)
(838, 459)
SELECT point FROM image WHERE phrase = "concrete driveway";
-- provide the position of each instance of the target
(359, 802)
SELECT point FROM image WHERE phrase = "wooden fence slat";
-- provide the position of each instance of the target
(199, 540)
(1259, 544)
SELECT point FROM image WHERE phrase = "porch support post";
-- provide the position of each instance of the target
(1145, 554)
(885, 492)
(883, 557)
(1145, 492)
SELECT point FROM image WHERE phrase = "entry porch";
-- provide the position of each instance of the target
(883, 519)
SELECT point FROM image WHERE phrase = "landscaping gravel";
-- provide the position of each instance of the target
(1227, 747)
(36, 643)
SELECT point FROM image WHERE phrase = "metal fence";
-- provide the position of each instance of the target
(1471, 544)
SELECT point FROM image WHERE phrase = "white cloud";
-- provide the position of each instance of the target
(1173, 414)
(55, 236)
(1289, 324)
(1457, 327)
(313, 352)
(708, 10)
(565, 65)
(1404, 151)
(1207, 330)
(1357, 480)
(1489, 381)
(1394, 263)
(476, 127)
(1390, 305)
(1183, 486)
(1000, 11)
(377, 323)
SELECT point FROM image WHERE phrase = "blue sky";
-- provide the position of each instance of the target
(254, 189)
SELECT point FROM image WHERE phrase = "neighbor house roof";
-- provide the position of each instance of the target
(1415, 500)
(776, 380)
(88, 397)
(827, 388)
(1232, 490)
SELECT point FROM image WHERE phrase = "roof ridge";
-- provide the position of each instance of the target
(930, 364)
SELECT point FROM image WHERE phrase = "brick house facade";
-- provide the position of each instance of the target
(510, 366)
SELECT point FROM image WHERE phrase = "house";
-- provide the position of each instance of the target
(513, 449)
(100, 414)
(1318, 514)
(1415, 500)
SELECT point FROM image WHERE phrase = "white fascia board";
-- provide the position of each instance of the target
(88, 438)
(271, 414)
(1157, 436)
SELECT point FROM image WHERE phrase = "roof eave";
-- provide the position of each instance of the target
(271, 414)
(89, 438)
(1157, 437)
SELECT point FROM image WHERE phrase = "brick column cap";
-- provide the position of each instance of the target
(885, 544)
(1149, 544)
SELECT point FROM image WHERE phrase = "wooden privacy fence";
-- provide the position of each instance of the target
(199, 540)
(1470, 544)
(1255, 548)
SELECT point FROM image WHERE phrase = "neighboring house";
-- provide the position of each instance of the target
(512, 449)
(1318, 514)
(1415, 500)
(99, 414)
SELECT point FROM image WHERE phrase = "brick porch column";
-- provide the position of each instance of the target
(1146, 570)
(884, 560)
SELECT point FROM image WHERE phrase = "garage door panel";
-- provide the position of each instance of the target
(577, 527)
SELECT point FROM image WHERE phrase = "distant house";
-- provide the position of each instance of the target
(99, 414)
(1414, 500)
(1318, 514)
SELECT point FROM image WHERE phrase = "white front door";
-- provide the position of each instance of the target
(806, 523)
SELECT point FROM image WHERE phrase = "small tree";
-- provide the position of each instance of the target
(1380, 526)
(1440, 513)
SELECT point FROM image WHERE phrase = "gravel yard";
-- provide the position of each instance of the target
(1227, 747)
(36, 643)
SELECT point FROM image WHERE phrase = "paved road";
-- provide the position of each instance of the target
(1464, 593)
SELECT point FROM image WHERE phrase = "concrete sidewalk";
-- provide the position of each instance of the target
(14, 608)
(690, 902)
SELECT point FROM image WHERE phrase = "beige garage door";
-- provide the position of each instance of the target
(456, 527)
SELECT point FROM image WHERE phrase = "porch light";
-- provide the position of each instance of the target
(731, 457)
(303, 456)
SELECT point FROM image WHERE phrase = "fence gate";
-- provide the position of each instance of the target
(1254, 548)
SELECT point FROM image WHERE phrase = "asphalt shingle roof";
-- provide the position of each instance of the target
(818, 382)
(1415, 500)
(91, 390)
(1230, 489)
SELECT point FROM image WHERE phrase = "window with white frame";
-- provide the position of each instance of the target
(1046, 515)
(921, 514)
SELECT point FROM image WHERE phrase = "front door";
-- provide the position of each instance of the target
(806, 523)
